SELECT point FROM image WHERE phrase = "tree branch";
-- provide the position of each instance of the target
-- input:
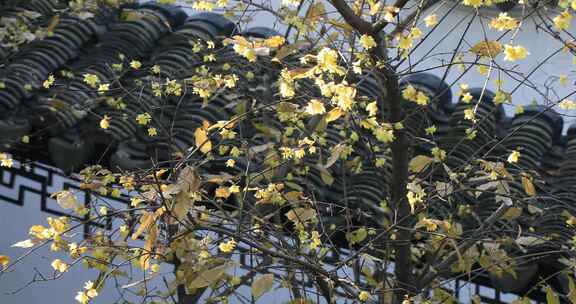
(359, 24)
(452, 258)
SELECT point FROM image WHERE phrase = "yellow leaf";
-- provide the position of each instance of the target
(202, 140)
(4, 260)
(146, 220)
(148, 247)
(487, 48)
(528, 185)
(419, 163)
(208, 277)
(333, 115)
(262, 285)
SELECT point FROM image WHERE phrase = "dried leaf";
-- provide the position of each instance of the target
(288, 50)
(262, 285)
(488, 48)
(189, 180)
(53, 23)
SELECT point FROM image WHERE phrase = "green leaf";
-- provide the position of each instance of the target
(357, 236)
(419, 163)
(262, 285)
(571, 289)
(551, 296)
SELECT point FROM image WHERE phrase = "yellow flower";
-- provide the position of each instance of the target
(390, 12)
(519, 109)
(431, 130)
(415, 33)
(410, 93)
(135, 64)
(404, 42)
(383, 134)
(439, 154)
(430, 225)
(103, 210)
(315, 240)
(91, 291)
(567, 104)
(513, 157)
(563, 79)
(227, 246)
(513, 53)
(155, 267)
(421, 98)
(58, 265)
(274, 41)
(82, 297)
(203, 6)
(105, 122)
(431, 20)
(473, 3)
(230, 163)
(471, 134)
(467, 97)
(6, 160)
(135, 201)
(234, 189)
(143, 119)
(222, 192)
(315, 107)
(152, 132)
(103, 88)
(562, 21)
(372, 108)
(363, 296)
(49, 82)
(91, 80)
(367, 42)
(469, 114)
(155, 69)
(327, 61)
(503, 22)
